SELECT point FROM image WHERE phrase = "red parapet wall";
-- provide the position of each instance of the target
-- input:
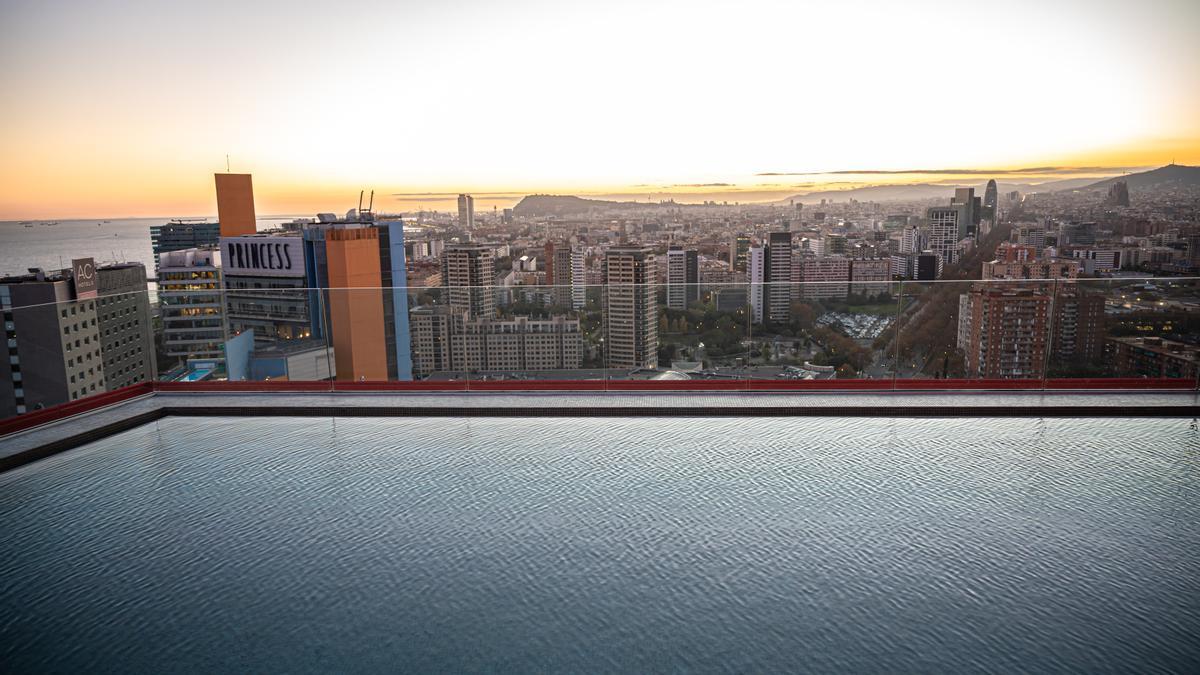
(72, 408)
(901, 386)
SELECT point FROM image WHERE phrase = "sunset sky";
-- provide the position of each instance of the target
(126, 107)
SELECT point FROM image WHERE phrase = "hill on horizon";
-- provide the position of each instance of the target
(923, 191)
(568, 205)
(1171, 175)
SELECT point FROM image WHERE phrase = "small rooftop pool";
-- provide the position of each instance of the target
(293, 544)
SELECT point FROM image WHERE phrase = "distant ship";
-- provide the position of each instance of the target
(52, 222)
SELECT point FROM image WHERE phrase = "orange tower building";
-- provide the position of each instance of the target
(356, 304)
(235, 204)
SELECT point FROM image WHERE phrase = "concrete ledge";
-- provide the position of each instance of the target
(29, 445)
(677, 411)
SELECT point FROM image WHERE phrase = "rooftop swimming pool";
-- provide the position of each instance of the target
(292, 544)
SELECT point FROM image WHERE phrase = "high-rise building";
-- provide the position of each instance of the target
(913, 239)
(356, 304)
(756, 274)
(971, 210)
(180, 235)
(126, 334)
(631, 308)
(466, 212)
(683, 278)
(991, 199)
(1078, 318)
(1003, 331)
(943, 234)
(264, 277)
(191, 306)
(469, 276)
(393, 277)
(389, 260)
(777, 295)
(54, 347)
(559, 273)
(739, 250)
(578, 279)
(235, 204)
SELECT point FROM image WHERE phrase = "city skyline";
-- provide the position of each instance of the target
(423, 102)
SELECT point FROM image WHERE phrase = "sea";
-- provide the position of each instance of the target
(604, 545)
(52, 247)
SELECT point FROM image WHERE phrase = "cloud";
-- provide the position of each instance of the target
(442, 196)
(1035, 170)
(642, 186)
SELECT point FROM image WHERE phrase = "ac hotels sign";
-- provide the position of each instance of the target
(84, 271)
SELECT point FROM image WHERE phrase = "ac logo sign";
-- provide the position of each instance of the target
(84, 270)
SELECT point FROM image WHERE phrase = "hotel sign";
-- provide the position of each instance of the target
(262, 256)
(84, 271)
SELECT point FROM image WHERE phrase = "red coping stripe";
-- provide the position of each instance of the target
(65, 410)
(77, 407)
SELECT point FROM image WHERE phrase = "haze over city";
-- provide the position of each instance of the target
(634, 100)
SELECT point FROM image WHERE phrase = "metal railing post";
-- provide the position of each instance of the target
(896, 335)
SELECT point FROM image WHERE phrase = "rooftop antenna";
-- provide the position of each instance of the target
(226, 162)
(360, 196)
(371, 205)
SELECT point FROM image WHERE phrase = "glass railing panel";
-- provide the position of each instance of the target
(436, 344)
(822, 330)
(931, 336)
(703, 333)
(364, 347)
(539, 333)
(1145, 328)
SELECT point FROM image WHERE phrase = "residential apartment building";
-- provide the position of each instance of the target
(1154, 357)
(631, 308)
(756, 274)
(1005, 335)
(777, 294)
(825, 278)
(446, 340)
(683, 278)
(469, 278)
(559, 273)
(870, 276)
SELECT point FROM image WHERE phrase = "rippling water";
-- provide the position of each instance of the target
(754, 545)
